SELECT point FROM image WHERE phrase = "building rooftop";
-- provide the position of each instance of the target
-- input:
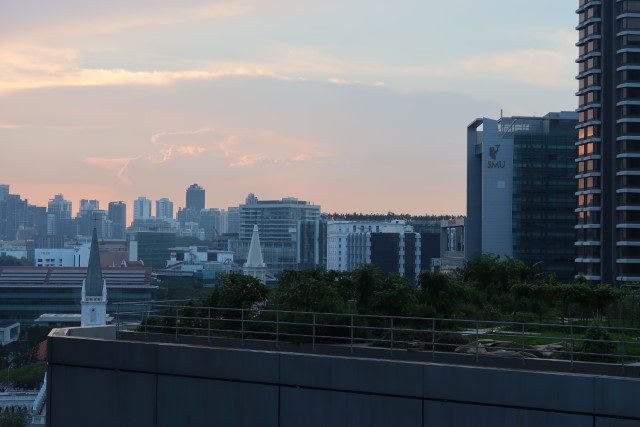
(72, 276)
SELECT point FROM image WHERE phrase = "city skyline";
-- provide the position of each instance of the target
(241, 97)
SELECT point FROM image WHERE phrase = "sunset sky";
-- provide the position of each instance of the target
(356, 105)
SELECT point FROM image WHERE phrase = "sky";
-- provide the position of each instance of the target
(356, 105)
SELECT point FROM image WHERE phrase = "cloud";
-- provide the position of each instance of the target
(67, 18)
(117, 165)
(244, 149)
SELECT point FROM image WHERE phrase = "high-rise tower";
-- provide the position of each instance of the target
(195, 197)
(608, 244)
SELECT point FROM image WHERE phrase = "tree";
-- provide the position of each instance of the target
(238, 291)
(394, 297)
(440, 292)
(9, 261)
(365, 280)
(19, 418)
(312, 290)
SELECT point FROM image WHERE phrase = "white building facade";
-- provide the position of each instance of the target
(141, 208)
(348, 243)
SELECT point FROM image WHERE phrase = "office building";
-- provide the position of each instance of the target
(392, 246)
(609, 141)
(59, 216)
(153, 248)
(195, 198)
(233, 220)
(4, 191)
(14, 216)
(277, 221)
(164, 209)
(118, 217)
(89, 205)
(141, 208)
(312, 244)
(29, 292)
(521, 190)
(451, 246)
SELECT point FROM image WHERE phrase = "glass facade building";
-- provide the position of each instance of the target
(278, 222)
(608, 144)
(521, 190)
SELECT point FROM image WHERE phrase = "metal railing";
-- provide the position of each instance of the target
(480, 338)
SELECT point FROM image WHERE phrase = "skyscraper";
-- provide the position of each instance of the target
(118, 216)
(195, 197)
(59, 213)
(278, 223)
(521, 190)
(4, 191)
(89, 205)
(141, 208)
(608, 143)
(164, 209)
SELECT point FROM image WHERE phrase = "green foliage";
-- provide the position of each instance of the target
(441, 292)
(180, 288)
(313, 290)
(238, 291)
(18, 418)
(9, 261)
(599, 345)
(28, 377)
(393, 297)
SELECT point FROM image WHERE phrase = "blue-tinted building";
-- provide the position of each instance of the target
(521, 190)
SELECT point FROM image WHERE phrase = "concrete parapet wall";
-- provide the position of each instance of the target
(121, 383)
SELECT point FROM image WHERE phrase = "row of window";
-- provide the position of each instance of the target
(592, 182)
(592, 97)
(588, 166)
(589, 217)
(589, 64)
(592, 12)
(586, 149)
(592, 46)
(588, 132)
(629, 6)
(589, 30)
(589, 200)
(589, 115)
(590, 80)
(630, 24)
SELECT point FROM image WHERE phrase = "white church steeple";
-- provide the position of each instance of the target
(94, 289)
(255, 266)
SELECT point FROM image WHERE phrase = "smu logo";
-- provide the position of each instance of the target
(494, 163)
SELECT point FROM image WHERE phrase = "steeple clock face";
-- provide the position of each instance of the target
(93, 315)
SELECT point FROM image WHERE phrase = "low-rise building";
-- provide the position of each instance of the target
(28, 292)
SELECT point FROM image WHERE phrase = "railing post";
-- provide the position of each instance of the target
(242, 326)
(524, 361)
(477, 343)
(314, 332)
(352, 334)
(209, 327)
(572, 341)
(177, 322)
(118, 321)
(622, 343)
(277, 329)
(391, 319)
(433, 339)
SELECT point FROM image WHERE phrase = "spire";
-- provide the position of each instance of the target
(93, 282)
(254, 259)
